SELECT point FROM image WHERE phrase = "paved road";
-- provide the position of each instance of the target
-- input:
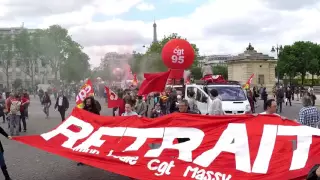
(27, 163)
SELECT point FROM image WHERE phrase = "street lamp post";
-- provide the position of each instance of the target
(277, 49)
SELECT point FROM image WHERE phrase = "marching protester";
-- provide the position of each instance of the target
(251, 99)
(90, 105)
(46, 103)
(62, 103)
(271, 107)
(288, 96)
(184, 108)
(14, 115)
(264, 97)
(2, 162)
(141, 107)
(128, 110)
(163, 101)
(280, 99)
(215, 107)
(97, 104)
(23, 111)
(308, 115)
(151, 101)
(192, 102)
(2, 108)
(26, 96)
(40, 94)
(156, 111)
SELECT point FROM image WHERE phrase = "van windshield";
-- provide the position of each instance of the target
(229, 93)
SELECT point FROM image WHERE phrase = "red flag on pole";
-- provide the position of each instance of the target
(154, 82)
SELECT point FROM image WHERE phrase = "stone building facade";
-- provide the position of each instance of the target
(242, 66)
(42, 74)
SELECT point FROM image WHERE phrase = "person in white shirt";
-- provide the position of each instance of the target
(128, 111)
(310, 89)
(271, 106)
(215, 106)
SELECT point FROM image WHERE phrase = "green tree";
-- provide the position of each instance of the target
(6, 55)
(287, 62)
(220, 70)
(76, 67)
(196, 72)
(56, 45)
(26, 53)
(303, 52)
(153, 54)
(313, 65)
(136, 61)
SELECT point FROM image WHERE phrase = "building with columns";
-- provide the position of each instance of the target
(42, 74)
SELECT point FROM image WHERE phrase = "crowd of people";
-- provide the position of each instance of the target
(159, 104)
(14, 107)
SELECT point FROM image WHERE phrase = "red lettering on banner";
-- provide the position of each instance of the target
(205, 156)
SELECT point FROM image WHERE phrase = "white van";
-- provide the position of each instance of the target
(234, 98)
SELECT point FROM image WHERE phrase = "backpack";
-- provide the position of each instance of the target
(15, 107)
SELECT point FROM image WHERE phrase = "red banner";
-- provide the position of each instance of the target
(219, 147)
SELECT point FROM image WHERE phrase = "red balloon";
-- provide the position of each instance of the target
(178, 54)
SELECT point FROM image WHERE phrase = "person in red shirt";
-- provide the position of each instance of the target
(23, 110)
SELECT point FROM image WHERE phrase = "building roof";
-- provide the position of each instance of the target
(251, 54)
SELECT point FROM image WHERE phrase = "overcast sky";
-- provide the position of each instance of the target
(216, 26)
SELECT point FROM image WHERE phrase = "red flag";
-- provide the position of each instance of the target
(213, 78)
(154, 82)
(113, 99)
(85, 91)
(248, 83)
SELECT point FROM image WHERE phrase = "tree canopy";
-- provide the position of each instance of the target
(6, 54)
(54, 48)
(300, 58)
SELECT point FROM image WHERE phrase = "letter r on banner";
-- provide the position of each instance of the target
(73, 137)
(185, 149)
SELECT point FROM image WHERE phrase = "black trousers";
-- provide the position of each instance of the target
(288, 100)
(23, 120)
(62, 114)
(279, 106)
